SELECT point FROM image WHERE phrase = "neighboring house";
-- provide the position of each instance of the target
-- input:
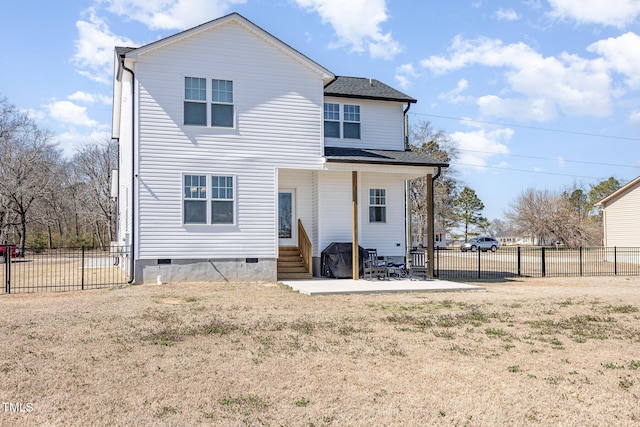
(229, 138)
(620, 212)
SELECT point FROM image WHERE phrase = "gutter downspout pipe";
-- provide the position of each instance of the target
(132, 267)
(406, 127)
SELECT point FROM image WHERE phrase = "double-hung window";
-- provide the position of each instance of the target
(213, 108)
(331, 120)
(221, 103)
(195, 199)
(377, 205)
(351, 125)
(195, 101)
(348, 127)
(208, 199)
(222, 199)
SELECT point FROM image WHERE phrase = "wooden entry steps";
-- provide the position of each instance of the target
(291, 265)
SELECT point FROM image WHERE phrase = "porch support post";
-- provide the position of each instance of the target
(355, 261)
(430, 222)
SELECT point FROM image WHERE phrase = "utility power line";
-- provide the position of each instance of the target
(595, 135)
(524, 170)
(551, 158)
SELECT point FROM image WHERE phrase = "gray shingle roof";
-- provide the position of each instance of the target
(357, 87)
(387, 157)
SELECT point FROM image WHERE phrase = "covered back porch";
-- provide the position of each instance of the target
(360, 197)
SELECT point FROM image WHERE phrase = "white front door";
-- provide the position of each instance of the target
(287, 222)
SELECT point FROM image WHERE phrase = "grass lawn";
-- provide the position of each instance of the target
(526, 352)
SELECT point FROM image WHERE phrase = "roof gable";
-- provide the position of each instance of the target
(619, 193)
(236, 18)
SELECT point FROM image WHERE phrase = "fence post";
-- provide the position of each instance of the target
(544, 267)
(580, 263)
(7, 261)
(437, 263)
(615, 261)
(82, 269)
(479, 262)
(519, 263)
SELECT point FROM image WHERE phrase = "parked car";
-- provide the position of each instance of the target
(482, 243)
(3, 250)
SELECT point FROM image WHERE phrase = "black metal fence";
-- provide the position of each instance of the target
(536, 262)
(62, 269)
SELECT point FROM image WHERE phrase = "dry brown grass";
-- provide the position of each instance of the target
(526, 352)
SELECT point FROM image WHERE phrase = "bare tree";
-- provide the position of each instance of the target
(93, 164)
(549, 216)
(436, 144)
(28, 163)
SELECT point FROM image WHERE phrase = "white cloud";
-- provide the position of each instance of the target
(537, 86)
(357, 25)
(70, 141)
(479, 146)
(69, 113)
(171, 14)
(617, 13)
(622, 54)
(455, 96)
(94, 48)
(89, 98)
(634, 121)
(506, 15)
(405, 74)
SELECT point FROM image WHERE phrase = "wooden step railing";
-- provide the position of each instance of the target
(305, 246)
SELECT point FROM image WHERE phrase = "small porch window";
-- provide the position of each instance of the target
(377, 205)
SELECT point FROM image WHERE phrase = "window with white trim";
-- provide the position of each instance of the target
(208, 199)
(222, 199)
(351, 125)
(377, 205)
(214, 108)
(347, 127)
(194, 208)
(221, 103)
(331, 120)
(195, 101)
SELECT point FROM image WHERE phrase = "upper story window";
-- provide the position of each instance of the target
(332, 120)
(208, 204)
(377, 205)
(351, 125)
(348, 127)
(195, 101)
(220, 103)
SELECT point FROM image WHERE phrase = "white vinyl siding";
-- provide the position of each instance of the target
(381, 125)
(278, 104)
(335, 217)
(621, 220)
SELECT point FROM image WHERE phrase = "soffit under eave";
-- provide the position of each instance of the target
(411, 171)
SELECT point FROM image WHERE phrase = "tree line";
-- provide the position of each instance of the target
(569, 216)
(47, 200)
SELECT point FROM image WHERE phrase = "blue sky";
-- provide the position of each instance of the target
(536, 93)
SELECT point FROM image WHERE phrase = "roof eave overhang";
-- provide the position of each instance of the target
(387, 163)
(373, 98)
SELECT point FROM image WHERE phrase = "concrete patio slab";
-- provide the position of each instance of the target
(321, 286)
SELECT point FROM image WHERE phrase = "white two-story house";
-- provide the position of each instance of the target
(235, 147)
